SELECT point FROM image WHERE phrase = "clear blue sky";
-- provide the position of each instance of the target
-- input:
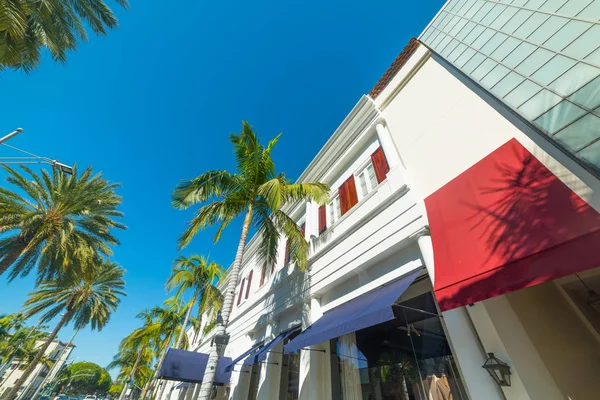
(154, 101)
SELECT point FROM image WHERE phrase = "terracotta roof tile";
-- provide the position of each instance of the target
(404, 55)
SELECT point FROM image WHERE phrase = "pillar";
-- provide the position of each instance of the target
(387, 144)
(270, 371)
(315, 364)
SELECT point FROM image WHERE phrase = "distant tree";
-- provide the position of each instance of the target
(84, 378)
(26, 26)
(115, 389)
(86, 300)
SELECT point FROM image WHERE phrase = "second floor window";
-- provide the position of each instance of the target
(335, 211)
(367, 179)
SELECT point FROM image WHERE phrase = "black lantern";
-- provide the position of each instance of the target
(498, 370)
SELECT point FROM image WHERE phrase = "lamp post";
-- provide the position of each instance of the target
(31, 158)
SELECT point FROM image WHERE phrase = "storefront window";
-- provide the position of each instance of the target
(290, 374)
(254, 381)
(407, 358)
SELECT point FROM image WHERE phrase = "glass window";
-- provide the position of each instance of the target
(559, 116)
(494, 76)
(550, 26)
(534, 3)
(505, 48)
(493, 43)
(367, 179)
(574, 78)
(464, 57)
(448, 27)
(573, 7)
(580, 133)
(527, 28)
(407, 358)
(532, 63)
(474, 34)
(445, 42)
(457, 51)
(584, 44)
(473, 63)
(566, 35)
(522, 93)
(437, 40)
(464, 6)
(335, 211)
(427, 35)
(589, 95)
(518, 55)
(591, 12)
(594, 57)
(592, 154)
(438, 21)
(508, 83)
(449, 48)
(504, 17)
(289, 386)
(465, 30)
(553, 69)
(552, 5)
(493, 14)
(483, 38)
(539, 103)
(459, 25)
(515, 22)
(474, 8)
(483, 69)
(482, 12)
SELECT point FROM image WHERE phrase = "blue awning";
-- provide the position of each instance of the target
(370, 309)
(241, 357)
(189, 366)
(261, 355)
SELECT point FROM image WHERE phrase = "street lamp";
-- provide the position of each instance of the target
(498, 370)
(32, 158)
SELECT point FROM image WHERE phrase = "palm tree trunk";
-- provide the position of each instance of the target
(131, 375)
(185, 322)
(159, 364)
(15, 389)
(146, 387)
(234, 276)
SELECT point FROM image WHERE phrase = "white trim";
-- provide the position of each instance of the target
(380, 282)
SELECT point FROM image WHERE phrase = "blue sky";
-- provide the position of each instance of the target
(154, 101)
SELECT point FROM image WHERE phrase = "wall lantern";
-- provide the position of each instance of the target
(498, 370)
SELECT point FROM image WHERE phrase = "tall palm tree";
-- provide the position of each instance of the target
(257, 192)
(134, 362)
(56, 222)
(26, 26)
(167, 324)
(88, 299)
(196, 274)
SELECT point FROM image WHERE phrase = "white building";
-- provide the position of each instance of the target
(57, 353)
(486, 225)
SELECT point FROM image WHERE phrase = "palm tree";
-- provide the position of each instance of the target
(56, 222)
(86, 299)
(28, 25)
(257, 192)
(167, 324)
(197, 274)
(134, 361)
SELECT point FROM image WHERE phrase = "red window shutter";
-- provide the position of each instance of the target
(348, 195)
(241, 292)
(303, 228)
(380, 164)
(288, 256)
(249, 283)
(322, 219)
(263, 274)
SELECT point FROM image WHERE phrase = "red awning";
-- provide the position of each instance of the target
(505, 224)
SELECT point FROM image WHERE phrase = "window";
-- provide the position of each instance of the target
(367, 179)
(263, 274)
(380, 164)
(241, 292)
(335, 211)
(249, 283)
(288, 255)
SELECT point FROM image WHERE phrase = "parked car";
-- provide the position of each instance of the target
(90, 397)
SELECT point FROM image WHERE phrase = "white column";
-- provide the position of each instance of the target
(426, 248)
(270, 371)
(387, 144)
(315, 367)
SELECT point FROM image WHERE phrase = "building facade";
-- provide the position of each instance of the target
(57, 355)
(463, 221)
